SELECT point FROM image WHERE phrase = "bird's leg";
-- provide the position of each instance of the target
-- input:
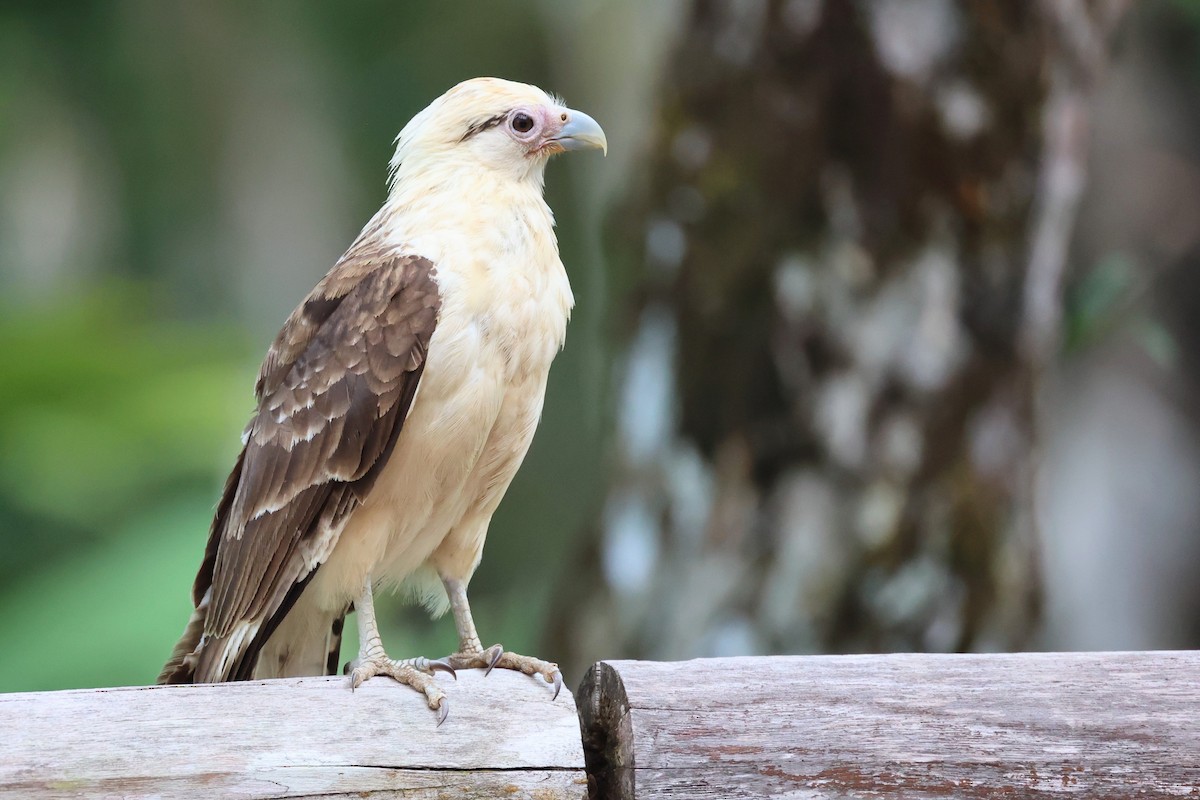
(470, 649)
(372, 660)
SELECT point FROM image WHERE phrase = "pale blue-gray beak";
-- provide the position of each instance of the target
(581, 132)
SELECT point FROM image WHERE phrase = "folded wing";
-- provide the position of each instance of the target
(333, 395)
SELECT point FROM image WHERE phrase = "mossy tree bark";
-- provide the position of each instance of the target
(853, 232)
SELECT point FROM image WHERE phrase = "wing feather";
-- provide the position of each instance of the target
(333, 394)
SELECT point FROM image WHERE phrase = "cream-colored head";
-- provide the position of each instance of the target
(492, 124)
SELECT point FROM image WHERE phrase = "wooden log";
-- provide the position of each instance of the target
(1031, 725)
(299, 737)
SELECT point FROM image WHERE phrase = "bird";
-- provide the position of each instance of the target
(394, 408)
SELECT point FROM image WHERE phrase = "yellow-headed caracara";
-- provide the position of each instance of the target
(395, 406)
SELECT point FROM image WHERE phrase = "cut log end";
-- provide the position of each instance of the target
(607, 730)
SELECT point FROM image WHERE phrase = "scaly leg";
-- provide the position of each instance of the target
(372, 660)
(470, 649)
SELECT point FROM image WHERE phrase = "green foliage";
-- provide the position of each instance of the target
(105, 613)
(115, 427)
(102, 403)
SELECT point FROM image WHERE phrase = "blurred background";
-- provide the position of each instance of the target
(885, 337)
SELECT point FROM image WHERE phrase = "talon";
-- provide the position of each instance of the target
(442, 665)
(557, 685)
(443, 711)
(494, 660)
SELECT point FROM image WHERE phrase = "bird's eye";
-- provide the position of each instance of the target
(522, 122)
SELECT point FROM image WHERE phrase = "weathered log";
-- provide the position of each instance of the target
(1094, 725)
(298, 737)
(1031, 725)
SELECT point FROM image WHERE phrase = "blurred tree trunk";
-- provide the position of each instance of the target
(852, 235)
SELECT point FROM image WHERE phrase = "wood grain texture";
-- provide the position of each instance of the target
(299, 737)
(1031, 725)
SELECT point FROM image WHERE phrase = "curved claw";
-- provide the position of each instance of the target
(557, 685)
(494, 660)
(442, 665)
(443, 711)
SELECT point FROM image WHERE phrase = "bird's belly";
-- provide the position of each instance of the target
(466, 433)
(459, 552)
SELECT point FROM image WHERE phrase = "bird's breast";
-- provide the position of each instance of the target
(506, 298)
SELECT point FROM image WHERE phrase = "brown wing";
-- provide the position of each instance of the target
(333, 393)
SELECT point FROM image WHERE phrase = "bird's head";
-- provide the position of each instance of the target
(489, 123)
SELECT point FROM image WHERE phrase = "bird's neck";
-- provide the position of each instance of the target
(461, 182)
(492, 243)
(476, 204)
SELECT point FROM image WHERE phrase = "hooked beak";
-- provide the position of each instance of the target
(581, 132)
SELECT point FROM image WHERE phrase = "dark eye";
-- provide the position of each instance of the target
(522, 122)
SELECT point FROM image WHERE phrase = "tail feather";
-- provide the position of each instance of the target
(334, 645)
(296, 640)
(178, 669)
(181, 666)
(310, 647)
(307, 642)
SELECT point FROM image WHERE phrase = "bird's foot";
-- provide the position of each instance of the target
(415, 672)
(497, 657)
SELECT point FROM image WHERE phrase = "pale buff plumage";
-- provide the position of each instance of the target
(466, 195)
(506, 300)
